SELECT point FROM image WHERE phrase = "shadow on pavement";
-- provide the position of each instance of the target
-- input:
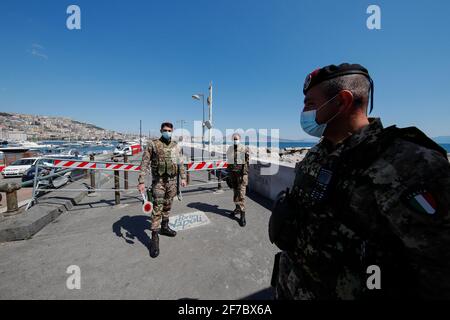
(94, 204)
(205, 207)
(134, 228)
(265, 294)
(266, 203)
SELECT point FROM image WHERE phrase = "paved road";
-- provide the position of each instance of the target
(110, 243)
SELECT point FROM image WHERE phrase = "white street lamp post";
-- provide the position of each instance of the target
(197, 97)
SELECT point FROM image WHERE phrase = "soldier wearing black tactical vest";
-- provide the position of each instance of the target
(163, 158)
(238, 163)
(369, 212)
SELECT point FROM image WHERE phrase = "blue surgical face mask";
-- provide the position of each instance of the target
(236, 142)
(309, 123)
(167, 135)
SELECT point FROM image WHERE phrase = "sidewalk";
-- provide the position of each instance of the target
(110, 244)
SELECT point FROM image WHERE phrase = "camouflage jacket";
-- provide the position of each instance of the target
(161, 158)
(238, 160)
(359, 204)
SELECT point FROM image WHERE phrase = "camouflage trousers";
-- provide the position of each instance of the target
(240, 183)
(164, 189)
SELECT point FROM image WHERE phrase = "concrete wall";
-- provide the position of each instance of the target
(269, 186)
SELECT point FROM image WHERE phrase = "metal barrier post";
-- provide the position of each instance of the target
(92, 174)
(35, 186)
(116, 185)
(125, 174)
(219, 186)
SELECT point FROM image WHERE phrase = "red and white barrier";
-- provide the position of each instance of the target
(96, 165)
(93, 165)
(206, 165)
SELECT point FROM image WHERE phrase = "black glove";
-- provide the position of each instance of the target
(282, 222)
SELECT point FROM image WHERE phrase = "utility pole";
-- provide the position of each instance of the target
(210, 105)
(140, 133)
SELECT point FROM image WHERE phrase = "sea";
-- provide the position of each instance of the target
(63, 146)
(84, 149)
(446, 146)
(301, 144)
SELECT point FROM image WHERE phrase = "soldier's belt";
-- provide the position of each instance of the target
(164, 177)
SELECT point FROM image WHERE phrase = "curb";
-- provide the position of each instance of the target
(25, 225)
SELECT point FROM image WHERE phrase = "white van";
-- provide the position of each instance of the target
(123, 150)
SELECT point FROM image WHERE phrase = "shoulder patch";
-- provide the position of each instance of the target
(420, 200)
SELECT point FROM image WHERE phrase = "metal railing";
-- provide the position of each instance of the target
(43, 184)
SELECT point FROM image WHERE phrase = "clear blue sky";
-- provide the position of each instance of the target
(144, 59)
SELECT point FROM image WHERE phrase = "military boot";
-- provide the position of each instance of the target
(154, 247)
(165, 229)
(234, 213)
(242, 221)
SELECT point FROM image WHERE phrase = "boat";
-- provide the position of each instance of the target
(8, 147)
(70, 154)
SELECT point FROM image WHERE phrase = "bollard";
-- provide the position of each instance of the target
(11, 201)
(219, 187)
(11, 195)
(125, 174)
(92, 174)
(188, 178)
(116, 185)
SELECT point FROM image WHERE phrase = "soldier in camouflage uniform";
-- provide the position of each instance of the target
(163, 157)
(365, 195)
(238, 164)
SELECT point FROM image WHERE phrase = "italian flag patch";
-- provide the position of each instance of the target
(422, 201)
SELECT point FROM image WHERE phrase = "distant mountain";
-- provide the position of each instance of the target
(308, 140)
(263, 137)
(442, 139)
(40, 127)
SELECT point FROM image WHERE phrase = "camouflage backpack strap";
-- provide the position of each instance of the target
(363, 155)
(173, 158)
(348, 172)
(416, 136)
(158, 158)
(159, 148)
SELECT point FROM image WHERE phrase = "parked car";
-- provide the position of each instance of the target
(45, 170)
(128, 149)
(18, 167)
(123, 151)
